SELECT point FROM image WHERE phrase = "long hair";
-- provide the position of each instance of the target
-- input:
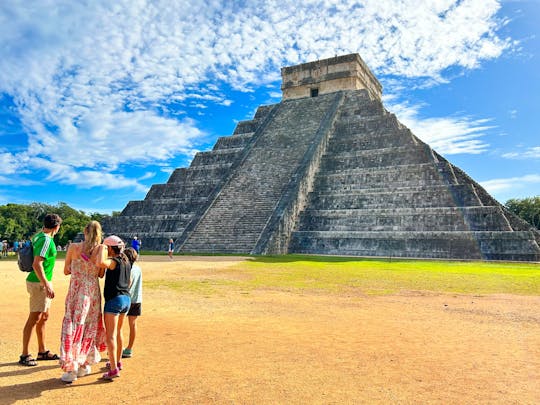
(119, 252)
(131, 254)
(92, 236)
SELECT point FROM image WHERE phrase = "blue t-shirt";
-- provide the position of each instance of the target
(136, 244)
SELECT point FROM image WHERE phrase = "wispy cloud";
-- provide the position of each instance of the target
(513, 187)
(447, 135)
(93, 82)
(531, 153)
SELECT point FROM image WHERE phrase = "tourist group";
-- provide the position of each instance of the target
(87, 328)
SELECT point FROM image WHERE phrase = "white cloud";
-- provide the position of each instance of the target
(89, 79)
(513, 187)
(66, 174)
(446, 135)
(8, 162)
(531, 153)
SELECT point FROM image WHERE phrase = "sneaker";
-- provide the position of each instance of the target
(109, 375)
(83, 371)
(126, 353)
(118, 365)
(69, 376)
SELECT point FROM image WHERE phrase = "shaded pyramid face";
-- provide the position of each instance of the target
(332, 174)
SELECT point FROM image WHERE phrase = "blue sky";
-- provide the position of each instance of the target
(98, 101)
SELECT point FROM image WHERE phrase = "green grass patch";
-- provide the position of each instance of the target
(371, 276)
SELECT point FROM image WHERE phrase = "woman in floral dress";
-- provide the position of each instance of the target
(83, 333)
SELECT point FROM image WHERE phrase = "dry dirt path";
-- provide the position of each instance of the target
(282, 347)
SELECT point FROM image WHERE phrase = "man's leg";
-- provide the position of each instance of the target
(40, 331)
(32, 320)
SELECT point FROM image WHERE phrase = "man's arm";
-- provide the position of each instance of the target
(40, 273)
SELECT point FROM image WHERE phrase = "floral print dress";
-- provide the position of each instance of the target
(83, 332)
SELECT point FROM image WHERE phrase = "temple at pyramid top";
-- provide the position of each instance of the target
(347, 72)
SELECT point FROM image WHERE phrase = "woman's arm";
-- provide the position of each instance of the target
(103, 260)
(69, 258)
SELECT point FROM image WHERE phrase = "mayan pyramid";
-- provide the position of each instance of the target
(328, 170)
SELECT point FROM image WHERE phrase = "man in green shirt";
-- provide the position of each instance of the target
(40, 288)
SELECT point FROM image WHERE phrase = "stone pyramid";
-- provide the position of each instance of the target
(328, 170)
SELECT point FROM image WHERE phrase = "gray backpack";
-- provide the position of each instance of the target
(26, 258)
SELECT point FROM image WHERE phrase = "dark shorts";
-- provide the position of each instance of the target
(118, 305)
(135, 309)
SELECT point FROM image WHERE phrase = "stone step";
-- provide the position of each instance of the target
(436, 244)
(199, 173)
(165, 191)
(165, 207)
(234, 141)
(370, 140)
(386, 157)
(219, 156)
(460, 195)
(247, 126)
(406, 219)
(427, 174)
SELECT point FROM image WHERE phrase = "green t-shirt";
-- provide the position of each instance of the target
(43, 245)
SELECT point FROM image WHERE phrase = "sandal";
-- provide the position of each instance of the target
(27, 360)
(46, 355)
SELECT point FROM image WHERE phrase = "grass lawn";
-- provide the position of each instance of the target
(368, 276)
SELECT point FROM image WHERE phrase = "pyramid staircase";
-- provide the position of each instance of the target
(237, 218)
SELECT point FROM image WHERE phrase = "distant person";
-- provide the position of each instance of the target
(5, 248)
(83, 332)
(40, 287)
(136, 244)
(135, 291)
(16, 246)
(171, 248)
(1, 248)
(117, 302)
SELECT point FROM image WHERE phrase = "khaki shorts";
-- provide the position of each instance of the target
(39, 302)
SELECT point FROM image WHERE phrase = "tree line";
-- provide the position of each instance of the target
(526, 208)
(22, 221)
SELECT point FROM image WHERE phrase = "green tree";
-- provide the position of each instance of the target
(526, 208)
(19, 221)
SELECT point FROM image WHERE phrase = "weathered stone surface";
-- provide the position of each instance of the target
(333, 174)
(347, 72)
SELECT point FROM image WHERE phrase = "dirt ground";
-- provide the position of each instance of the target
(282, 347)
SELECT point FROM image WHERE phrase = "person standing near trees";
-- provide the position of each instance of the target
(40, 287)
